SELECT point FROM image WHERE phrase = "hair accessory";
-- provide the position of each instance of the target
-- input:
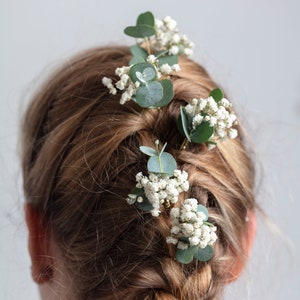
(147, 82)
(155, 56)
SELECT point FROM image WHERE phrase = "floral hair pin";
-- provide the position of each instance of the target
(155, 56)
(146, 80)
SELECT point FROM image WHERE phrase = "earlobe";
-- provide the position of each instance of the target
(236, 269)
(39, 245)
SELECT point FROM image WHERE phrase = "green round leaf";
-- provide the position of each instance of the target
(150, 95)
(162, 164)
(140, 31)
(146, 18)
(136, 60)
(202, 133)
(204, 254)
(187, 255)
(138, 51)
(147, 75)
(148, 150)
(145, 205)
(168, 93)
(142, 72)
(201, 208)
(217, 95)
(183, 123)
(169, 59)
(137, 191)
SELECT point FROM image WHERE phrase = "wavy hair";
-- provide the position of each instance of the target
(80, 157)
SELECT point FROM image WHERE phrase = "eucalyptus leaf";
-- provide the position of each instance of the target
(168, 59)
(136, 60)
(140, 31)
(137, 191)
(162, 164)
(168, 93)
(146, 18)
(142, 72)
(183, 123)
(217, 94)
(179, 125)
(148, 151)
(147, 75)
(201, 208)
(149, 95)
(138, 51)
(145, 205)
(187, 255)
(202, 133)
(204, 254)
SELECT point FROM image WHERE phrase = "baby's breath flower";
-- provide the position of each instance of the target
(189, 227)
(171, 240)
(188, 51)
(108, 83)
(158, 190)
(176, 68)
(165, 69)
(181, 245)
(167, 38)
(151, 59)
(174, 50)
(216, 114)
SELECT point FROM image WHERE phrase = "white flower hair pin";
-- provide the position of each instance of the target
(207, 120)
(155, 56)
(147, 82)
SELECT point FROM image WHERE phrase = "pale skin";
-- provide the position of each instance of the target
(56, 284)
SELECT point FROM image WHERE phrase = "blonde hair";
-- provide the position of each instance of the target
(80, 157)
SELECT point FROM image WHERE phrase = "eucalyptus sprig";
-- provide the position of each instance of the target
(153, 91)
(191, 232)
(163, 184)
(159, 162)
(154, 57)
(207, 120)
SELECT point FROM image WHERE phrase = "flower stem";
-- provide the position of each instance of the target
(148, 45)
(158, 156)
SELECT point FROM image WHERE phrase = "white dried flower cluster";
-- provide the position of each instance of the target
(167, 38)
(108, 83)
(125, 83)
(128, 86)
(189, 228)
(217, 114)
(167, 69)
(164, 69)
(159, 189)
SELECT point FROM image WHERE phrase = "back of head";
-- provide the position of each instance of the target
(81, 155)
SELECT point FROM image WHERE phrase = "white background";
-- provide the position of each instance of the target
(250, 47)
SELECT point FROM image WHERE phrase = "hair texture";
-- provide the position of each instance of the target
(80, 157)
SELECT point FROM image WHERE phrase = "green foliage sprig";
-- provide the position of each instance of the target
(155, 56)
(207, 120)
(191, 232)
(162, 185)
(153, 91)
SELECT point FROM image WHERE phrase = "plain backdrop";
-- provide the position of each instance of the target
(251, 48)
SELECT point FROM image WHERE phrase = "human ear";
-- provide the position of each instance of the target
(39, 245)
(235, 270)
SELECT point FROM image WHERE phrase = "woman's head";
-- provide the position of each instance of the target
(80, 157)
